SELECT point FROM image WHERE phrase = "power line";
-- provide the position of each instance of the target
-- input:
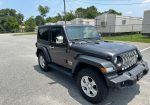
(110, 0)
(109, 4)
(58, 5)
(69, 5)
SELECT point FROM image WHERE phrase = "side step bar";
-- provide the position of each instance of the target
(61, 69)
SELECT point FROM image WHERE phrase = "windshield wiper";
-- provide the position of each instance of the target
(81, 39)
(90, 38)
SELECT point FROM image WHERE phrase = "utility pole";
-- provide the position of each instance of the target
(65, 10)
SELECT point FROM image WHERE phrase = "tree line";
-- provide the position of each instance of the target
(10, 20)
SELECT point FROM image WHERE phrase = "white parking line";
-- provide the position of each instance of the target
(144, 49)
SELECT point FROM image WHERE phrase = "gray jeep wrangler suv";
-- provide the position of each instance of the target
(77, 51)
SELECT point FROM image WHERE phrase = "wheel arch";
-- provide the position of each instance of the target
(82, 65)
(45, 51)
(89, 62)
(96, 63)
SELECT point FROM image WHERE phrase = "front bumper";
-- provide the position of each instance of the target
(130, 77)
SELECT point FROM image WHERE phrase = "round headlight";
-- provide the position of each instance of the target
(118, 62)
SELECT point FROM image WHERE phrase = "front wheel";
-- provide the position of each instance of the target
(91, 85)
(42, 62)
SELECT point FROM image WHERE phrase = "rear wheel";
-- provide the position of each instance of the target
(91, 85)
(42, 62)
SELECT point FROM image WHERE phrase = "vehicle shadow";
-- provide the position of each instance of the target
(116, 97)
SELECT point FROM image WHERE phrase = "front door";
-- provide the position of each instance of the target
(58, 46)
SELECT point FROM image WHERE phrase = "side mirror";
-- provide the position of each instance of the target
(59, 39)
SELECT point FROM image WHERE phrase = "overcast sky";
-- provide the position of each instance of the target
(29, 7)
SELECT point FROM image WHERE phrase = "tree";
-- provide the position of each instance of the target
(111, 11)
(43, 10)
(69, 16)
(49, 20)
(54, 19)
(80, 12)
(20, 18)
(90, 12)
(9, 20)
(8, 12)
(30, 24)
(8, 24)
(39, 20)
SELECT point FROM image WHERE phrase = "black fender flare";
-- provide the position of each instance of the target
(45, 51)
(93, 61)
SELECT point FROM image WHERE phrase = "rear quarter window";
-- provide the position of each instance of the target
(43, 33)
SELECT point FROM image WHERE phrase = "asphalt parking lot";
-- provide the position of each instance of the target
(22, 82)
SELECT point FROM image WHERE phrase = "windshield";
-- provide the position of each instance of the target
(81, 32)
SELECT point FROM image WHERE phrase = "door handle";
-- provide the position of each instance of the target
(52, 47)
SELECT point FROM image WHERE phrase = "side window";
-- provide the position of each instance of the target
(57, 35)
(103, 24)
(43, 33)
(123, 22)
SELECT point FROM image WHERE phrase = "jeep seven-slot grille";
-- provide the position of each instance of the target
(129, 59)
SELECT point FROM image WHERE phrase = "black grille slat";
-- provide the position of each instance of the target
(129, 59)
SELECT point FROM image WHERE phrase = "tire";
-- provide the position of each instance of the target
(42, 62)
(92, 85)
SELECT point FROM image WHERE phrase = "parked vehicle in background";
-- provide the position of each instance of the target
(97, 65)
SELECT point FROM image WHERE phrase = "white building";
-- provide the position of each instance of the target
(50, 23)
(146, 23)
(63, 22)
(59, 23)
(83, 21)
(111, 23)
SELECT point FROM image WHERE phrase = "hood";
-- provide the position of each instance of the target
(102, 49)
